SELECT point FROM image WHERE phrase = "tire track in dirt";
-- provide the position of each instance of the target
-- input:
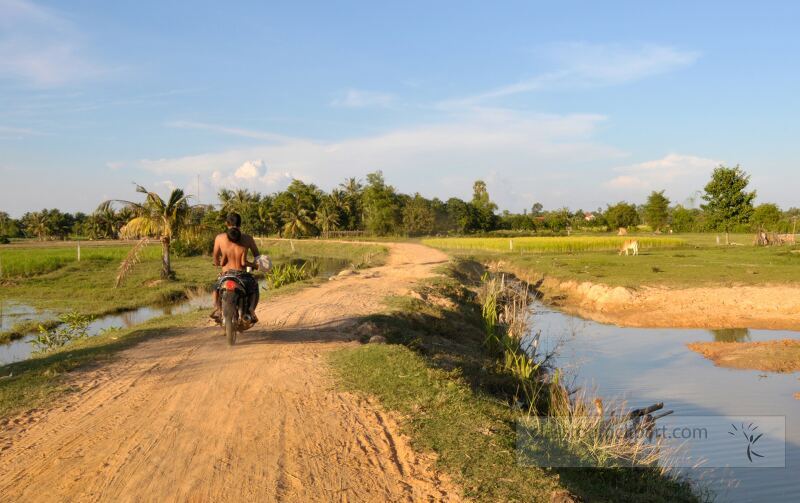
(186, 418)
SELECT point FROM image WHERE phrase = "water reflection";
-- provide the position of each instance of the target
(731, 334)
(645, 366)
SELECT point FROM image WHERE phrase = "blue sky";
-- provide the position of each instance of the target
(566, 103)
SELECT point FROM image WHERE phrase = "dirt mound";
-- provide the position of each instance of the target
(772, 307)
(769, 356)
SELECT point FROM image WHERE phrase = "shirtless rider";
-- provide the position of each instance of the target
(230, 253)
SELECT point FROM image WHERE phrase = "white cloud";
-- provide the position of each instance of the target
(40, 47)
(233, 131)
(438, 159)
(678, 174)
(251, 174)
(578, 65)
(355, 98)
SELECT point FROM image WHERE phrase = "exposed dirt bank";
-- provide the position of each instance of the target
(769, 356)
(770, 307)
(187, 418)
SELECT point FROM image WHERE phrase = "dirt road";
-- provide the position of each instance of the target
(186, 418)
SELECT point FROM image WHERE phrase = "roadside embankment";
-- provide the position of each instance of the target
(768, 307)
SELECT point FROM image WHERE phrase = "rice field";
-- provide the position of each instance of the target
(26, 261)
(551, 244)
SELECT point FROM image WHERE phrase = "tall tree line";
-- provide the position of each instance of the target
(373, 206)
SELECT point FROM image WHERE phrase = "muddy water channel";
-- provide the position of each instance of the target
(16, 311)
(645, 366)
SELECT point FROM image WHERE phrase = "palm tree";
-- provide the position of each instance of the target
(158, 218)
(298, 218)
(353, 190)
(38, 224)
(237, 200)
(103, 222)
(327, 218)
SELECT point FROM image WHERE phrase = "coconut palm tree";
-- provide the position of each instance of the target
(158, 218)
(298, 219)
(353, 189)
(327, 218)
(37, 224)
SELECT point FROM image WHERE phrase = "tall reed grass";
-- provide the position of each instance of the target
(550, 244)
(571, 419)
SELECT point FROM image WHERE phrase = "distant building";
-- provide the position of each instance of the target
(589, 216)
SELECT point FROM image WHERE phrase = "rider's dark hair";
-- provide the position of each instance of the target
(234, 220)
(234, 234)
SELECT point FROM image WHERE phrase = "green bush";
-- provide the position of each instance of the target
(194, 245)
(73, 326)
(282, 275)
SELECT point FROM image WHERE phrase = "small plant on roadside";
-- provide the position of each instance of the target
(286, 274)
(73, 326)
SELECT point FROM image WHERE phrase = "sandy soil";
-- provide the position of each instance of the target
(770, 307)
(186, 418)
(769, 356)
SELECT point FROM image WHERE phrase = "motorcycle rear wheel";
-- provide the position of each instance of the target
(230, 330)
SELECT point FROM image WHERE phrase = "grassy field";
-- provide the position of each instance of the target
(572, 244)
(60, 283)
(695, 260)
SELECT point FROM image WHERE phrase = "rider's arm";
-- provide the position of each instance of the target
(253, 247)
(217, 253)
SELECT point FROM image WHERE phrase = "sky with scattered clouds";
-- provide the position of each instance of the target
(565, 103)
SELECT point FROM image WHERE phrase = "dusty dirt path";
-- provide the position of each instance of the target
(186, 418)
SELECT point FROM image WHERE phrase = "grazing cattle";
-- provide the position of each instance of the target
(631, 245)
(788, 239)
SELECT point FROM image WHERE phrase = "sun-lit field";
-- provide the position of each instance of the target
(685, 261)
(550, 244)
(31, 260)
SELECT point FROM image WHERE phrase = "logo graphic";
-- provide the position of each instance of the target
(749, 434)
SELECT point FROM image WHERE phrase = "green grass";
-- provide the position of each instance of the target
(453, 400)
(549, 244)
(718, 266)
(698, 262)
(32, 259)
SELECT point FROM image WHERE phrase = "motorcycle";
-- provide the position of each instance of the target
(234, 299)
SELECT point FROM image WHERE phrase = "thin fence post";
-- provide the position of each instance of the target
(79, 251)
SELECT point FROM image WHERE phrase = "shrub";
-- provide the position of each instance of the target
(282, 275)
(73, 326)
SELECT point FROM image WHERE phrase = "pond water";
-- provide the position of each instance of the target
(12, 312)
(646, 366)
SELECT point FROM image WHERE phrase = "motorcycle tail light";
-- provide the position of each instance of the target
(230, 285)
